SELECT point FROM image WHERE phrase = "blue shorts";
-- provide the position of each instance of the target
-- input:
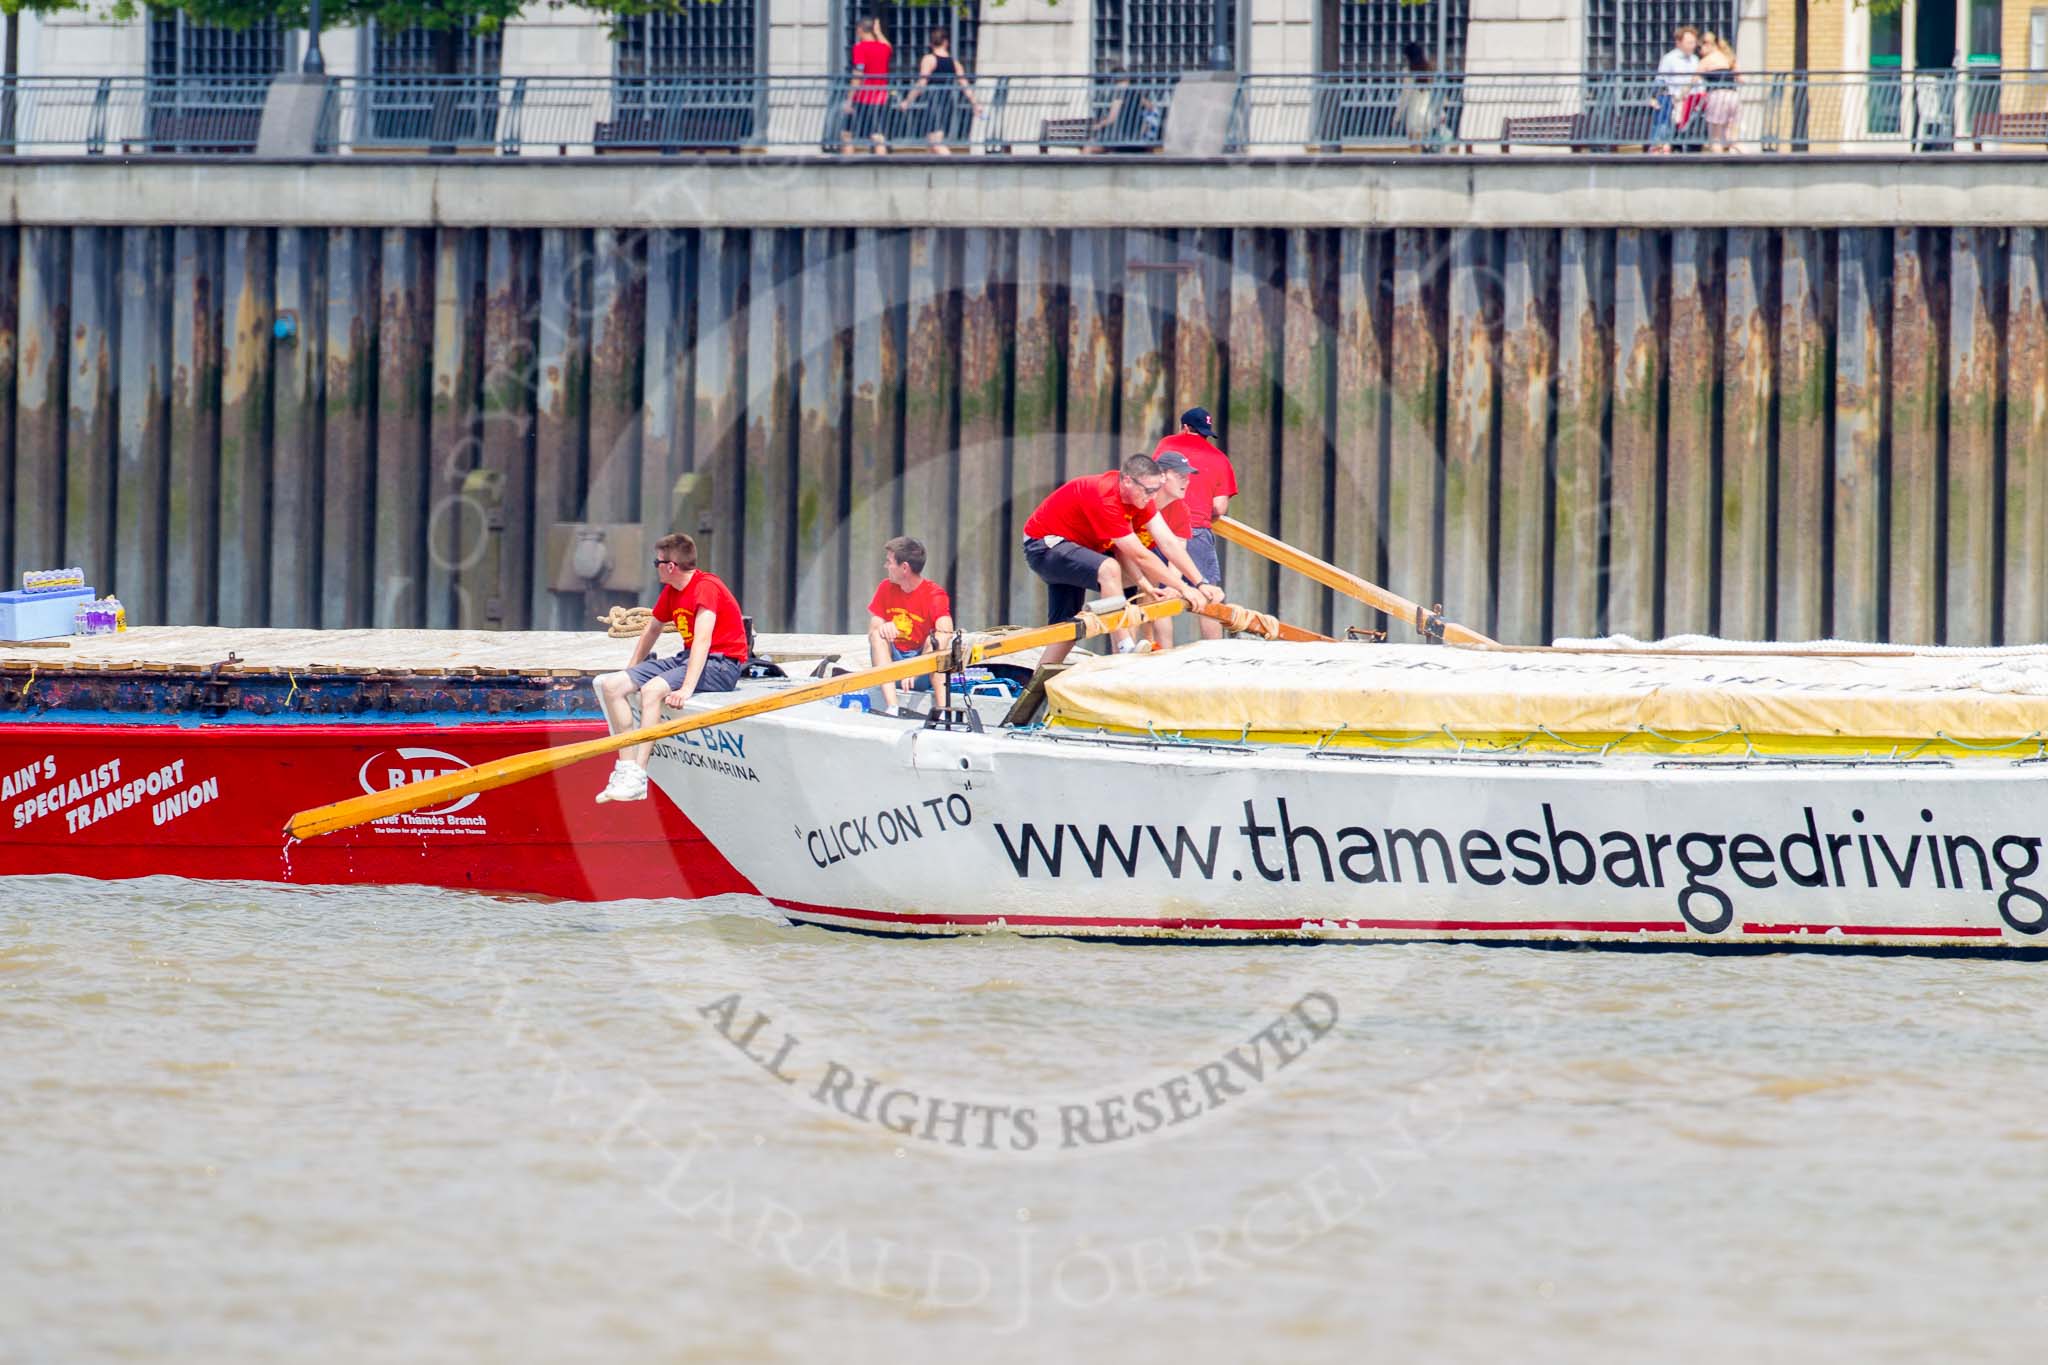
(721, 674)
(1202, 549)
(923, 681)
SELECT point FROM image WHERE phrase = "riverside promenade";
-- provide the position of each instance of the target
(1783, 396)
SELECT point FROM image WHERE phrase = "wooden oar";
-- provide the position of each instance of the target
(503, 772)
(1330, 576)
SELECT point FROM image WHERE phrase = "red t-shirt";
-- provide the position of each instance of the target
(913, 613)
(1213, 478)
(1088, 511)
(1176, 515)
(873, 58)
(681, 605)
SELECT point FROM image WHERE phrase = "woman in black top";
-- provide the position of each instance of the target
(941, 85)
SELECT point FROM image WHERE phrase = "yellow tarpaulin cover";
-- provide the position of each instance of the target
(1351, 692)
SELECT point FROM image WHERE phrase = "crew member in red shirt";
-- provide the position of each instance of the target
(714, 638)
(1173, 510)
(1085, 526)
(868, 105)
(1208, 497)
(908, 614)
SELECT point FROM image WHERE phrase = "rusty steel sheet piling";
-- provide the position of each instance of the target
(1308, 326)
(931, 395)
(1688, 496)
(1861, 294)
(298, 368)
(90, 422)
(509, 360)
(1745, 372)
(1358, 500)
(1779, 431)
(1415, 469)
(1971, 478)
(874, 474)
(194, 511)
(1249, 426)
(1470, 491)
(1804, 406)
(1038, 367)
(142, 441)
(246, 445)
(348, 440)
(1914, 390)
(825, 308)
(1527, 374)
(1585, 312)
(984, 544)
(403, 375)
(762, 568)
(2025, 485)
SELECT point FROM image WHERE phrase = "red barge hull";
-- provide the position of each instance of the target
(209, 802)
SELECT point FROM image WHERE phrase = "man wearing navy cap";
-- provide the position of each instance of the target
(1210, 489)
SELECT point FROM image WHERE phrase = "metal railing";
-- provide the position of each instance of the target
(132, 115)
(1936, 110)
(534, 115)
(1290, 115)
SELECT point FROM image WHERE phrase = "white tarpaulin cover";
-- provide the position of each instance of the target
(1221, 688)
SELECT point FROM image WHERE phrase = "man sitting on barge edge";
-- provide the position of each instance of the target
(714, 637)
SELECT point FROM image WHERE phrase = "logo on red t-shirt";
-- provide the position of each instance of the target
(705, 590)
(914, 613)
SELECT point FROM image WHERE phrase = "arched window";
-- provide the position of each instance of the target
(700, 39)
(1633, 35)
(1160, 35)
(1374, 35)
(909, 26)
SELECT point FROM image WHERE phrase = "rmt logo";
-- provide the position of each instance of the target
(397, 767)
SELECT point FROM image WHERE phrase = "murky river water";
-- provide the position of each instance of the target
(252, 1123)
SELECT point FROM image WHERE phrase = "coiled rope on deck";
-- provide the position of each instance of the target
(623, 623)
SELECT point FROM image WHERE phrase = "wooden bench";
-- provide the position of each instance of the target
(1064, 132)
(673, 128)
(1560, 128)
(1610, 129)
(2029, 126)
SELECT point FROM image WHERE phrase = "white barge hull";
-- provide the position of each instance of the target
(872, 823)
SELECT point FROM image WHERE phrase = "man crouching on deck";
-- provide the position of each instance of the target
(1077, 535)
(714, 636)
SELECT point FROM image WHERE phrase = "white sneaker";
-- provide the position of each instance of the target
(628, 783)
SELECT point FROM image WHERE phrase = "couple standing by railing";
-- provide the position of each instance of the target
(1696, 83)
(930, 107)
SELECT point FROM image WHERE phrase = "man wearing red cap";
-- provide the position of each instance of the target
(1209, 492)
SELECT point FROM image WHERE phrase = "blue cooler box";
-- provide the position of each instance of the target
(40, 615)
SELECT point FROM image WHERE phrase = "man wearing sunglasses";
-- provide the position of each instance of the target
(1077, 535)
(714, 637)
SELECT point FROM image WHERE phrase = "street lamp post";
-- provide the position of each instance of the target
(315, 64)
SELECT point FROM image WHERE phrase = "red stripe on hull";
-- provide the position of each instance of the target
(225, 791)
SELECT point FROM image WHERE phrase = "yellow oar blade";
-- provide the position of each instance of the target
(1339, 580)
(501, 772)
